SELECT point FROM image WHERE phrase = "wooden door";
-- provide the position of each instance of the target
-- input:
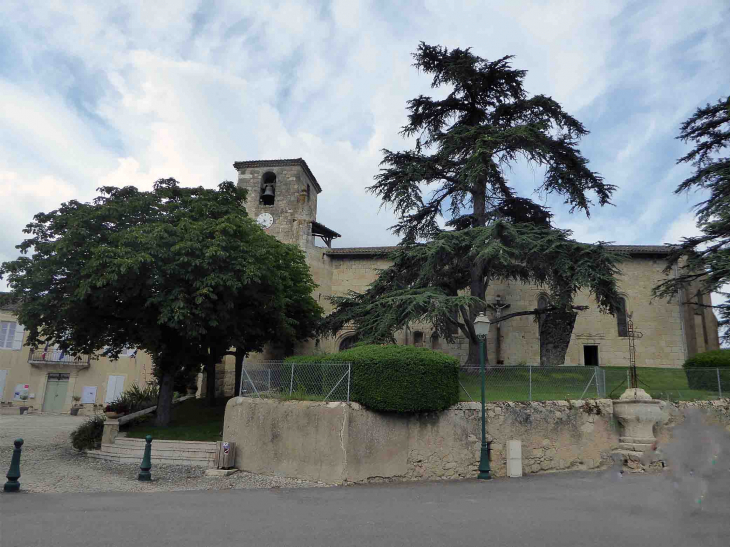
(56, 388)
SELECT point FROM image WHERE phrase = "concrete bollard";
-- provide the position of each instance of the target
(144, 474)
(13, 485)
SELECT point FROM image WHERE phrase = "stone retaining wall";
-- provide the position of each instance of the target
(339, 443)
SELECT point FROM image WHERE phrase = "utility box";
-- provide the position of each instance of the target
(514, 458)
(226, 455)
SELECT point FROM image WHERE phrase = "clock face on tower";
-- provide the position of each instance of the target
(265, 220)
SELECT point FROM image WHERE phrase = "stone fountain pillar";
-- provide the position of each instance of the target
(637, 413)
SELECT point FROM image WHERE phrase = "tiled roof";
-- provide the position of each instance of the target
(321, 229)
(641, 249)
(280, 163)
(629, 249)
(360, 250)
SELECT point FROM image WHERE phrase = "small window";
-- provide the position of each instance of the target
(7, 334)
(623, 329)
(418, 339)
(268, 188)
(347, 343)
(435, 341)
(308, 193)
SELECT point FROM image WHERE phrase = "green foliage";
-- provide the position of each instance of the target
(181, 273)
(392, 378)
(707, 264)
(466, 142)
(709, 359)
(134, 399)
(707, 379)
(88, 435)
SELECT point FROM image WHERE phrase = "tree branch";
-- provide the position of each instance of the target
(535, 312)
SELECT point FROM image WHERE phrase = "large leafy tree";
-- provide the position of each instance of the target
(181, 273)
(703, 261)
(465, 144)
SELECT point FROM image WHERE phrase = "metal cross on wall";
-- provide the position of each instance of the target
(633, 335)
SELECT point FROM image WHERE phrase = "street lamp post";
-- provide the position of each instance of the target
(481, 327)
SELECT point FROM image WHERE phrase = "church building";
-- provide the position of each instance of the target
(282, 197)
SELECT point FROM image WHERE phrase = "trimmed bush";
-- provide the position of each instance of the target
(134, 399)
(707, 379)
(88, 435)
(392, 378)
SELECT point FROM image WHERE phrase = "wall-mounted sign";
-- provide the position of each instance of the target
(20, 391)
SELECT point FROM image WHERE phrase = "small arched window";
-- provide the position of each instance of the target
(435, 341)
(347, 342)
(621, 323)
(268, 188)
(308, 193)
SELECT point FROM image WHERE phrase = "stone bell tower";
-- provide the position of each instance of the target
(282, 198)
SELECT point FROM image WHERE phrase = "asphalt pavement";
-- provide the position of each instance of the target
(594, 509)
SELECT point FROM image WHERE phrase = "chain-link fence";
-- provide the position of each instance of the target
(332, 382)
(300, 381)
(528, 383)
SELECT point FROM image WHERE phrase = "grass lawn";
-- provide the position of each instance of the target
(513, 384)
(192, 420)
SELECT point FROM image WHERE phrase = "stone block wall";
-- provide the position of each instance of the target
(663, 343)
(339, 443)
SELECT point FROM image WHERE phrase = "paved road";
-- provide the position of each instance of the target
(596, 509)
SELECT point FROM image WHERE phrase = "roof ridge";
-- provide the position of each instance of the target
(281, 163)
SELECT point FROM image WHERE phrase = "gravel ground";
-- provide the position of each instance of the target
(49, 464)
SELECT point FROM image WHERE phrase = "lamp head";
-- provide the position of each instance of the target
(481, 325)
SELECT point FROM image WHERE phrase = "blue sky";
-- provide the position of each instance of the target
(128, 92)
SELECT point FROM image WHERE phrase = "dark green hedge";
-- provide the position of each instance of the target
(707, 379)
(88, 435)
(392, 378)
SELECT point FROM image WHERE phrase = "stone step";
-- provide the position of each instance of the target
(135, 452)
(635, 447)
(162, 447)
(137, 459)
(167, 445)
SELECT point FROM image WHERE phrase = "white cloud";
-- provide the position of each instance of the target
(684, 226)
(125, 93)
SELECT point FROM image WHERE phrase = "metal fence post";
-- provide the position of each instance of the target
(269, 370)
(530, 382)
(291, 382)
(598, 389)
(349, 377)
(719, 383)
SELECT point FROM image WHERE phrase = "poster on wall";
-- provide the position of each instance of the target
(88, 394)
(21, 390)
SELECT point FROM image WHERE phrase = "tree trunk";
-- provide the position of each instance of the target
(555, 330)
(164, 399)
(239, 371)
(477, 283)
(473, 358)
(210, 380)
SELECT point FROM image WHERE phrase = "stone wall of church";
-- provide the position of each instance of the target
(516, 340)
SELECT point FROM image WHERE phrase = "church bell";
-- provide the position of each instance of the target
(268, 196)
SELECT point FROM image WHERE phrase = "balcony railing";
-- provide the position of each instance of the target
(58, 357)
